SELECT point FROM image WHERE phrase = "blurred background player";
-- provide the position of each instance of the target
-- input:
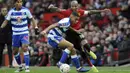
(5, 37)
(18, 17)
(55, 39)
(79, 38)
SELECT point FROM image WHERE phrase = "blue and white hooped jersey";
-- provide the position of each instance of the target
(63, 26)
(19, 20)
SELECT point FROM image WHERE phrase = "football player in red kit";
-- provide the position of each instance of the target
(77, 38)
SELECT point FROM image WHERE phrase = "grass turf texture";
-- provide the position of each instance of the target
(56, 70)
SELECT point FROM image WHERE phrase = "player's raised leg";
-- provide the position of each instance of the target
(86, 47)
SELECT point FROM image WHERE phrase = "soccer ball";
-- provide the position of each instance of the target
(64, 68)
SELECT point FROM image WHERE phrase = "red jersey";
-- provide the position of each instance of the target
(68, 12)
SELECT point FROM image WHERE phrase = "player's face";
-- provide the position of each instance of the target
(4, 11)
(74, 19)
(19, 3)
(74, 7)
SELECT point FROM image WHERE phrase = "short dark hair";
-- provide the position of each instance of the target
(76, 13)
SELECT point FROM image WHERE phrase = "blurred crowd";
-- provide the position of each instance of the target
(104, 31)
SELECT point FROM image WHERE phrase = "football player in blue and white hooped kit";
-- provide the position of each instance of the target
(20, 38)
(54, 34)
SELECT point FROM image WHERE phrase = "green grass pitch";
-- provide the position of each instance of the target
(56, 70)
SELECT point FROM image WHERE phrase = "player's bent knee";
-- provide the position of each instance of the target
(73, 51)
(71, 47)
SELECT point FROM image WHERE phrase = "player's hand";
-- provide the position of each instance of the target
(36, 31)
(50, 6)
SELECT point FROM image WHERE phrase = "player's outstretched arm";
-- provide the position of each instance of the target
(52, 8)
(49, 28)
(96, 11)
(4, 24)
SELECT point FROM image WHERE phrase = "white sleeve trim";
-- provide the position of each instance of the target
(29, 14)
